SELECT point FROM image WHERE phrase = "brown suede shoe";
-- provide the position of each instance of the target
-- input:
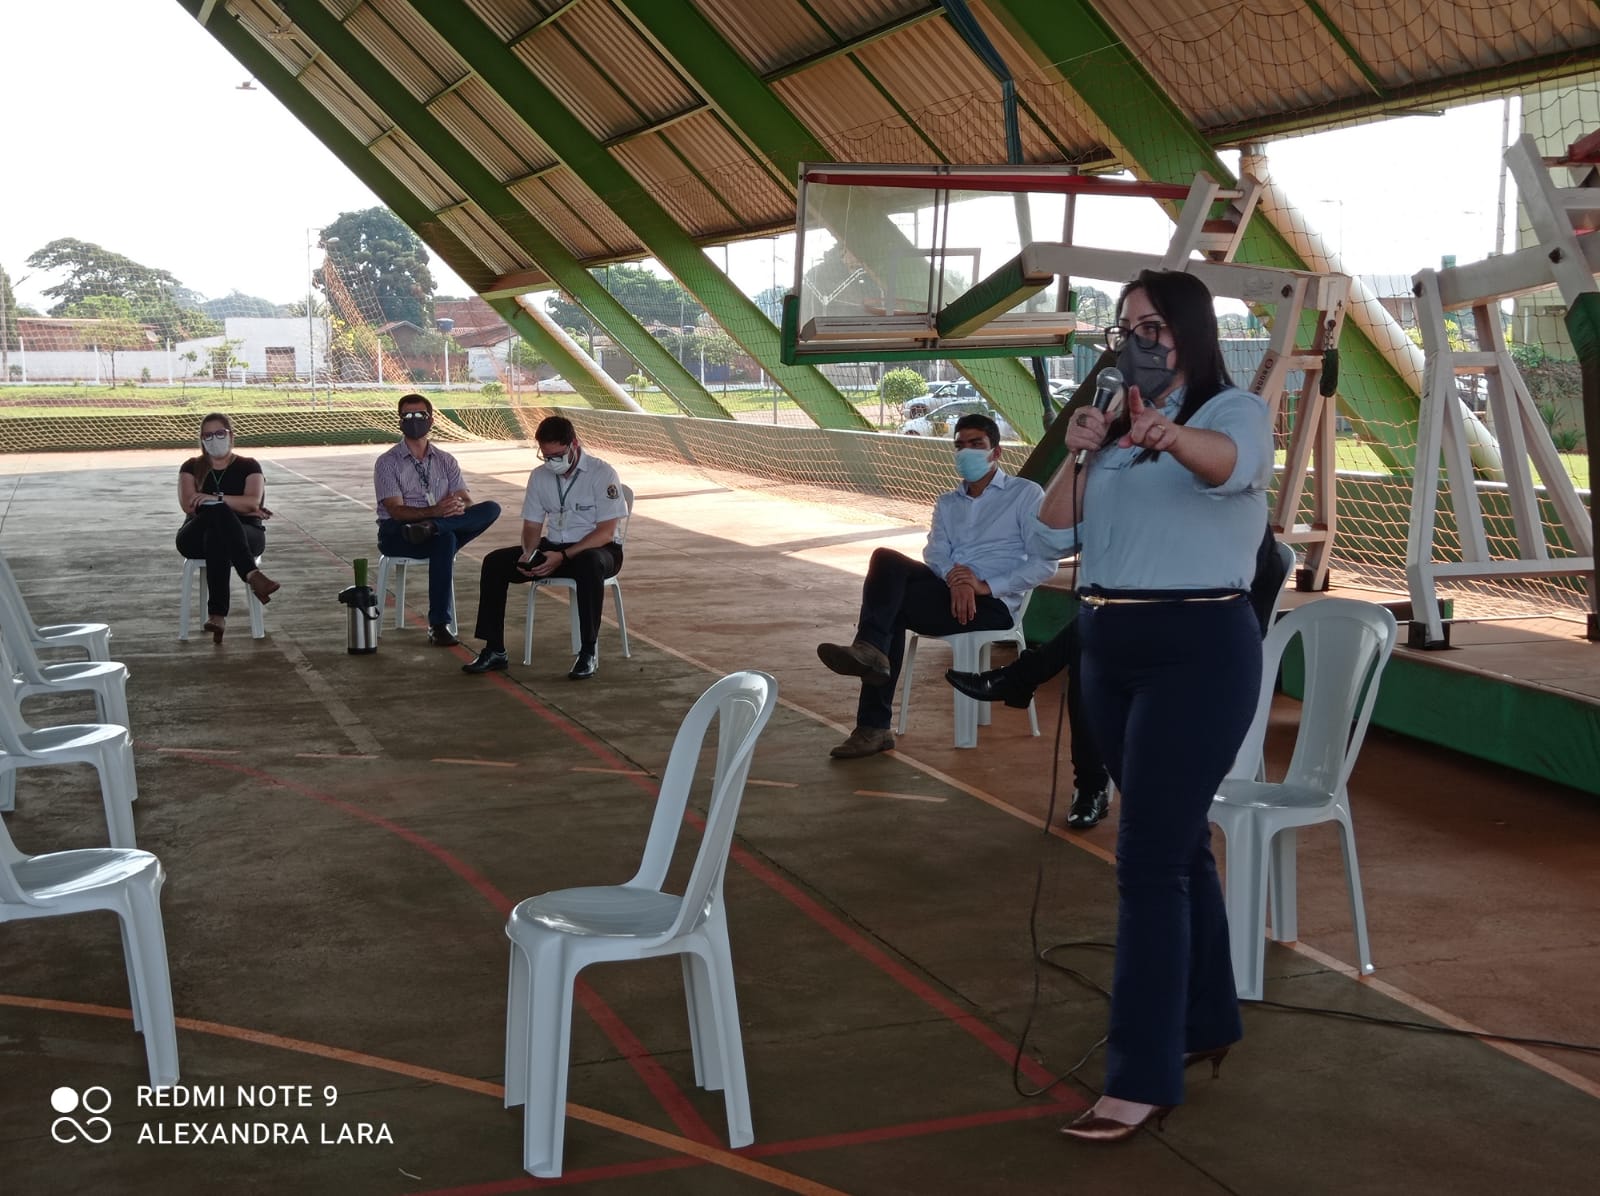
(859, 659)
(864, 741)
(262, 586)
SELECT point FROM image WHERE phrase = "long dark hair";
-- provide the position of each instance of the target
(201, 464)
(1184, 302)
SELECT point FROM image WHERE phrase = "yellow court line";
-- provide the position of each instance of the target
(332, 756)
(474, 763)
(182, 751)
(632, 1129)
(899, 796)
(617, 772)
(773, 784)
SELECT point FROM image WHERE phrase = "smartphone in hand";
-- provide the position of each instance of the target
(532, 562)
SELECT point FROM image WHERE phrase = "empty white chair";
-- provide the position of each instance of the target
(109, 748)
(93, 638)
(556, 935)
(396, 566)
(194, 572)
(128, 883)
(971, 652)
(1346, 646)
(566, 583)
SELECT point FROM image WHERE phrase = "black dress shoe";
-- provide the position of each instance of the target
(419, 532)
(440, 636)
(993, 686)
(488, 661)
(1089, 806)
(586, 666)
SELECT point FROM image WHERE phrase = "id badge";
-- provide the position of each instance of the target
(559, 523)
(428, 494)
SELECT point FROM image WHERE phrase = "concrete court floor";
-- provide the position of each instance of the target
(343, 836)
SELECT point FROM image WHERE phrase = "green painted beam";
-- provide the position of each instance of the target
(1153, 137)
(543, 112)
(1374, 80)
(271, 74)
(477, 182)
(993, 296)
(748, 106)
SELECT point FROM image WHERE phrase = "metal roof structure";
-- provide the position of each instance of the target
(527, 139)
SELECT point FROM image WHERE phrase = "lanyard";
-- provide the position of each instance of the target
(561, 495)
(422, 471)
(215, 477)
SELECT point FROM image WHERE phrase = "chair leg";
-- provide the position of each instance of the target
(1358, 905)
(258, 617)
(8, 790)
(111, 700)
(399, 594)
(149, 943)
(736, 1087)
(549, 1055)
(908, 666)
(527, 623)
(1282, 888)
(1245, 897)
(1033, 717)
(117, 790)
(704, 1037)
(517, 989)
(622, 618)
(185, 607)
(967, 660)
(573, 627)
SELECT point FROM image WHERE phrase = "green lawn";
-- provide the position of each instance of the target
(1354, 456)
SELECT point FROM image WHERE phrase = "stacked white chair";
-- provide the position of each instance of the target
(106, 679)
(126, 882)
(93, 638)
(971, 650)
(555, 935)
(566, 583)
(1346, 646)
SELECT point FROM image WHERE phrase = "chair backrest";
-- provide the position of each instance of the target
(12, 592)
(742, 703)
(1286, 563)
(10, 891)
(1346, 645)
(12, 724)
(622, 525)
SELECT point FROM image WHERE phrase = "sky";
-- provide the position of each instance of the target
(126, 126)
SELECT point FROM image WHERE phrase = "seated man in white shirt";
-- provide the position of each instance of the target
(977, 566)
(570, 516)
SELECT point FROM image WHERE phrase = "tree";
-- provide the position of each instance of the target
(901, 384)
(236, 303)
(377, 255)
(770, 301)
(154, 296)
(648, 297)
(115, 328)
(524, 356)
(1095, 307)
(8, 314)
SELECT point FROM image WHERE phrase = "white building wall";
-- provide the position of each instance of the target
(255, 335)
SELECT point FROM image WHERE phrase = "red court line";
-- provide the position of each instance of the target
(830, 922)
(673, 1101)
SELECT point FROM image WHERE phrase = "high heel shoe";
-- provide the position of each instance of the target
(1091, 1127)
(1214, 1056)
(215, 626)
(262, 586)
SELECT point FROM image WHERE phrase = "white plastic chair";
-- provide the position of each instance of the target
(109, 748)
(194, 572)
(566, 583)
(396, 566)
(1346, 646)
(971, 650)
(128, 883)
(93, 638)
(107, 680)
(555, 935)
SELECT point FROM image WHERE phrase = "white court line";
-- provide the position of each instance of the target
(899, 796)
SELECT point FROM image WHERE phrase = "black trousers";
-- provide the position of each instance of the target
(901, 595)
(216, 535)
(589, 570)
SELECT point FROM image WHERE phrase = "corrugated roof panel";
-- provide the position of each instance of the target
(334, 91)
(547, 208)
(957, 106)
(1050, 101)
(508, 18)
(729, 170)
(495, 112)
(850, 116)
(663, 175)
(616, 236)
(415, 57)
(478, 138)
(485, 238)
(413, 168)
(652, 85)
(852, 18)
(769, 35)
(291, 50)
(583, 91)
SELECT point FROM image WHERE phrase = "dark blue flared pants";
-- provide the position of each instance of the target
(1171, 688)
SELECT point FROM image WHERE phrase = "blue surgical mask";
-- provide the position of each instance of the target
(973, 463)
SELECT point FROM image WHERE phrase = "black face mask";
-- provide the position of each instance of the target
(416, 424)
(1145, 368)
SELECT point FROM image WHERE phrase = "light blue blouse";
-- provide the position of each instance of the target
(1157, 526)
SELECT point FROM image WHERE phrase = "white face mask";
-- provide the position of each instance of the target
(216, 445)
(559, 465)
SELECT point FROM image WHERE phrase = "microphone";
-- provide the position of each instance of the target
(1108, 389)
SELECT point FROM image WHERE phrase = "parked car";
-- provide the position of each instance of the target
(941, 421)
(937, 394)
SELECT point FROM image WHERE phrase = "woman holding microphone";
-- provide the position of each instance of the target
(1167, 511)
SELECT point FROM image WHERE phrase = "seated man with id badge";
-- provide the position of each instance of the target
(425, 511)
(570, 518)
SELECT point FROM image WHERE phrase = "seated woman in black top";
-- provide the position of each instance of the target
(221, 493)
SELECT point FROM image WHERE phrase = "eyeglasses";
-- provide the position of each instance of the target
(1146, 335)
(557, 456)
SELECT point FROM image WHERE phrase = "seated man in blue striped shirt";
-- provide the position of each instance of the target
(973, 575)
